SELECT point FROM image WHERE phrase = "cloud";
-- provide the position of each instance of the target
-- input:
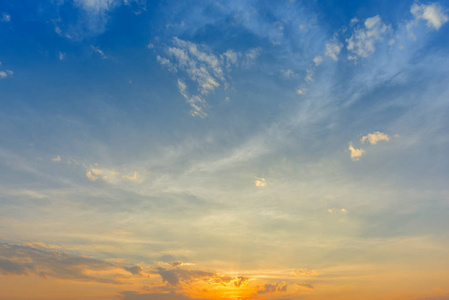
(273, 288)
(432, 13)
(355, 153)
(305, 272)
(289, 74)
(207, 70)
(375, 137)
(174, 277)
(61, 55)
(301, 91)
(131, 295)
(5, 18)
(6, 73)
(199, 63)
(99, 51)
(304, 285)
(94, 15)
(197, 103)
(56, 159)
(333, 50)
(318, 60)
(309, 76)
(260, 182)
(131, 177)
(362, 41)
(24, 259)
(343, 210)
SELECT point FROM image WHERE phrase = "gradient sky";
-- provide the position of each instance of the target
(178, 150)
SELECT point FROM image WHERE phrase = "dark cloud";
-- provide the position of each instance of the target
(304, 285)
(175, 276)
(8, 267)
(135, 270)
(151, 296)
(273, 288)
(23, 259)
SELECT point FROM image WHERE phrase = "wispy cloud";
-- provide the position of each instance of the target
(205, 68)
(5, 18)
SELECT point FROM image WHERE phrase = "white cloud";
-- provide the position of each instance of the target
(6, 73)
(230, 58)
(432, 13)
(333, 50)
(260, 182)
(200, 65)
(375, 137)
(5, 18)
(301, 91)
(56, 159)
(289, 74)
(362, 41)
(166, 62)
(61, 55)
(355, 153)
(99, 51)
(318, 60)
(196, 102)
(97, 5)
(309, 76)
(203, 67)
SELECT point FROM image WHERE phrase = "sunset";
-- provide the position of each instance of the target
(224, 150)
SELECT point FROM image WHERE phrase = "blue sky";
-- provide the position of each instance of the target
(271, 146)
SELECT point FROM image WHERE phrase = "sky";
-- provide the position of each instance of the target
(241, 150)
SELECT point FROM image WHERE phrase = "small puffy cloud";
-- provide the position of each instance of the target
(61, 55)
(6, 73)
(56, 158)
(305, 272)
(318, 60)
(333, 50)
(260, 182)
(273, 288)
(432, 13)
(362, 41)
(375, 137)
(5, 18)
(304, 285)
(355, 153)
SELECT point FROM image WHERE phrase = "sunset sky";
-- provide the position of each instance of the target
(215, 150)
